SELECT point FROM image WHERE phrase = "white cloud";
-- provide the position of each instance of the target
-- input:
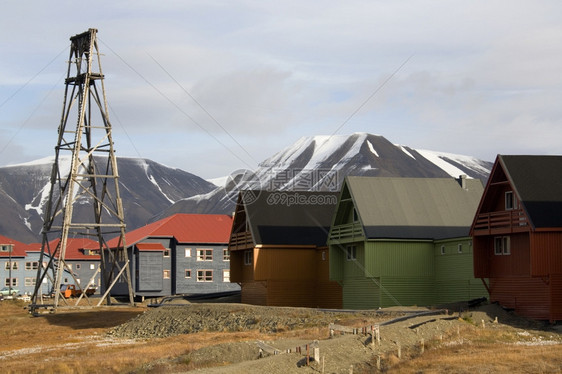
(482, 74)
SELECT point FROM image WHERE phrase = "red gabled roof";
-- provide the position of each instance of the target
(150, 247)
(74, 247)
(185, 228)
(18, 250)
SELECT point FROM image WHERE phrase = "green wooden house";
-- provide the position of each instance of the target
(404, 241)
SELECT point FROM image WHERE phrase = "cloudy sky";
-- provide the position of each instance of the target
(215, 86)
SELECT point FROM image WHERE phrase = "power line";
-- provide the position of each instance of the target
(32, 78)
(174, 104)
(202, 108)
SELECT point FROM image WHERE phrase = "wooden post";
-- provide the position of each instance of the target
(399, 351)
(372, 335)
(378, 362)
(307, 355)
(422, 346)
(483, 324)
(378, 334)
(316, 351)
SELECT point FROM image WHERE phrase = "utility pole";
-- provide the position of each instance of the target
(84, 176)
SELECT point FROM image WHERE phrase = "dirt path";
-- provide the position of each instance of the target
(337, 354)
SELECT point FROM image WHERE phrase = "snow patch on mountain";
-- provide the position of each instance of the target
(403, 149)
(372, 149)
(439, 159)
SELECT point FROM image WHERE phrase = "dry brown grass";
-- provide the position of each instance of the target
(477, 350)
(76, 342)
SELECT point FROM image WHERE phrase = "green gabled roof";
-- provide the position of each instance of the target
(537, 181)
(415, 208)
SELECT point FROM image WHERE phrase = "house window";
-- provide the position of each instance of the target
(510, 201)
(6, 248)
(442, 249)
(166, 274)
(204, 275)
(92, 266)
(204, 255)
(29, 281)
(188, 273)
(225, 255)
(78, 266)
(459, 248)
(188, 252)
(14, 265)
(502, 245)
(166, 253)
(226, 275)
(31, 265)
(14, 282)
(323, 255)
(248, 257)
(351, 251)
(355, 215)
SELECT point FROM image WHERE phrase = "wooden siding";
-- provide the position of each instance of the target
(285, 264)
(254, 293)
(150, 271)
(489, 265)
(398, 259)
(556, 297)
(546, 254)
(529, 297)
(501, 222)
(240, 241)
(239, 272)
(350, 232)
(361, 293)
(405, 291)
(454, 279)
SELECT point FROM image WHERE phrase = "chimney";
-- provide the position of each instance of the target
(462, 181)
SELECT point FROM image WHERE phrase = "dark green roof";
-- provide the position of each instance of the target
(289, 218)
(537, 181)
(415, 208)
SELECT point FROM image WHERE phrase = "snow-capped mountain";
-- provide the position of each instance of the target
(146, 189)
(321, 163)
(151, 191)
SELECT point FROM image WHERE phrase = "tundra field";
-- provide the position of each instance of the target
(227, 337)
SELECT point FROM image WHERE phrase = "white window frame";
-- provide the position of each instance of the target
(225, 254)
(226, 275)
(459, 248)
(166, 274)
(205, 275)
(92, 266)
(187, 273)
(187, 252)
(502, 245)
(204, 254)
(30, 281)
(166, 252)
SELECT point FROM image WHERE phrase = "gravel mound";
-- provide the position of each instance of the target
(191, 318)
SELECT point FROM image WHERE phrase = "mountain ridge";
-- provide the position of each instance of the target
(151, 191)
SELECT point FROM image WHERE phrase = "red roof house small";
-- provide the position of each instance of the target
(180, 254)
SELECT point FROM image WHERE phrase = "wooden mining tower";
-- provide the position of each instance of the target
(84, 178)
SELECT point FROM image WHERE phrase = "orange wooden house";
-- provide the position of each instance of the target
(278, 251)
(517, 235)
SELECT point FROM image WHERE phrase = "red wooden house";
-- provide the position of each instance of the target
(517, 235)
